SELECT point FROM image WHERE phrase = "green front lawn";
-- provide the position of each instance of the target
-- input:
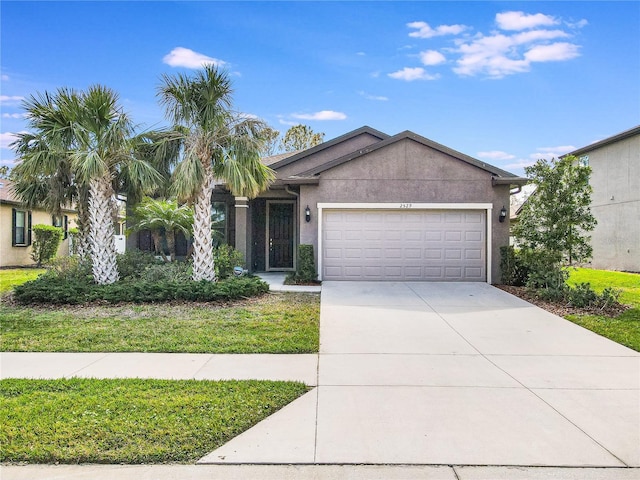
(130, 421)
(625, 328)
(17, 276)
(277, 323)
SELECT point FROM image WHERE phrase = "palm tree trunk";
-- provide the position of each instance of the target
(171, 243)
(103, 246)
(203, 267)
(83, 222)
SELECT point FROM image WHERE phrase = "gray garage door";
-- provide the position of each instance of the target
(436, 245)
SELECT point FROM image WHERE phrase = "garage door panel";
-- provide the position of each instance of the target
(404, 245)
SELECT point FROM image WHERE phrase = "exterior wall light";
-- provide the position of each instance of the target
(503, 214)
(307, 214)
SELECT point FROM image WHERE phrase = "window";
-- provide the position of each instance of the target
(219, 223)
(584, 161)
(20, 228)
(61, 221)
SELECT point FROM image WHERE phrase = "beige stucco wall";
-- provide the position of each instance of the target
(615, 203)
(407, 172)
(21, 256)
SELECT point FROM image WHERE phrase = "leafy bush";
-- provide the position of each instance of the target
(70, 269)
(306, 271)
(582, 295)
(46, 242)
(133, 263)
(167, 271)
(513, 267)
(54, 290)
(225, 258)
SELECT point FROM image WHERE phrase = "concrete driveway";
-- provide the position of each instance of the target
(453, 374)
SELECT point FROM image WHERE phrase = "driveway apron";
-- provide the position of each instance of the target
(455, 374)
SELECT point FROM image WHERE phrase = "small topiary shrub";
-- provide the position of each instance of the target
(306, 271)
(225, 258)
(46, 241)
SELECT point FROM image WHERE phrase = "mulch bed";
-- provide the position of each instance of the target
(562, 309)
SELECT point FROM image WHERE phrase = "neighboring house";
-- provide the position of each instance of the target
(615, 201)
(15, 228)
(375, 207)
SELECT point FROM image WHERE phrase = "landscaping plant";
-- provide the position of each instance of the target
(45, 244)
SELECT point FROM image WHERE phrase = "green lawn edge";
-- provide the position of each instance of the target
(130, 421)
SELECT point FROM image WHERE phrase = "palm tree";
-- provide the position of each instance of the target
(163, 215)
(216, 144)
(86, 138)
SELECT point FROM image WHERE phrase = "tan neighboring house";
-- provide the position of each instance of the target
(16, 222)
(615, 201)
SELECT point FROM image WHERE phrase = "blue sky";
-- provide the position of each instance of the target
(505, 82)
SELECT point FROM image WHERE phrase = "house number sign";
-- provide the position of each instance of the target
(406, 205)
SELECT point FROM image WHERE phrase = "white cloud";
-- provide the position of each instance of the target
(322, 115)
(432, 57)
(520, 164)
(409, 74)
(7, 138)
(5, 78)
(9, 99)
(555, 52)
(424, 30)
(551, 152)
(498, 55)
(361, 54)
(496, 155)
(287, 122)
(379, 98)
(14, 115)
(523, 21)
(184, 57)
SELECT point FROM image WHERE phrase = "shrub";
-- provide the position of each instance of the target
(225, 258)
(70, 269)
(582, 295)
(53, 290)
(46, 243)
(133, 263)
(306, 271)
(167, 271)
(513, 267)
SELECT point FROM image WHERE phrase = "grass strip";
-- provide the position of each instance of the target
(11, 277)
(625, 328)
(130, 421)
(277, 323)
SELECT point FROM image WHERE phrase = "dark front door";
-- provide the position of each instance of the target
(280, 235)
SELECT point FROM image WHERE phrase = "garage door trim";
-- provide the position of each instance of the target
(487, 207)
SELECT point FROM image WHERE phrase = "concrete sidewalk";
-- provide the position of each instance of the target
(170, 366)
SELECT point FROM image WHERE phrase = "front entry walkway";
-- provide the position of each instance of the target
(453, 374)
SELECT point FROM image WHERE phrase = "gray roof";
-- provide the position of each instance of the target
(495, 171)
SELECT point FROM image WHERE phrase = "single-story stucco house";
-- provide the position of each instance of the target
(374, 207)
(16, 222)
(615, 200)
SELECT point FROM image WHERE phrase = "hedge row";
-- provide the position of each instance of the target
(58, 291)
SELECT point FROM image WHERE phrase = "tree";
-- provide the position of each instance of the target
(300, 137)
(5, 172)
(163, 218)
(556, 218)
(82, 146)
(271, 137)
(216, 143)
